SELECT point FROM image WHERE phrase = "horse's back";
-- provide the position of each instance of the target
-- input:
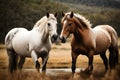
(109, 30)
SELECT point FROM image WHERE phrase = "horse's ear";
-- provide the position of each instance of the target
(63, 14)
(47, 14)
(71, 15)
(55, 14)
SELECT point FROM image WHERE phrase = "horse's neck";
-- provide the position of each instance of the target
(79, 34)
(45, 36)
(43, 32)
(80, 31)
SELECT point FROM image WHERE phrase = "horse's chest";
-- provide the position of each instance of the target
(79, 49)
(42, 48)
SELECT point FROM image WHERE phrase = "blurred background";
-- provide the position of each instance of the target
(25, 13)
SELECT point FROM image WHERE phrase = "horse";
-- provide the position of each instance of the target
(89, 41)
(21, 43)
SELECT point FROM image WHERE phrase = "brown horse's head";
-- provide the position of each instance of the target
(67, 26)
(71, 22)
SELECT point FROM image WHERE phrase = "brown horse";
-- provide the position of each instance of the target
(89, 41)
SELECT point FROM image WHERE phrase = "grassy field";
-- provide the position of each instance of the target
(60, 58)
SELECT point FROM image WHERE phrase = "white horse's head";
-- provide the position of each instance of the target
(52, 26)
(48, 24)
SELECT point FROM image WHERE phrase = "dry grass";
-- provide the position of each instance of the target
(60, 57)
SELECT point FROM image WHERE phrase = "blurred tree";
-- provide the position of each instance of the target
(24, 13)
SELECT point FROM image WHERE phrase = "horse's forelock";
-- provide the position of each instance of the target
(65, 17)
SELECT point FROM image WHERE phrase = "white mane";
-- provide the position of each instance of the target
(40, 22)
(43, 21)
(86, 21)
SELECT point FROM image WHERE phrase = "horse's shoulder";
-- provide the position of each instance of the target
(76, 43)
(78, 47)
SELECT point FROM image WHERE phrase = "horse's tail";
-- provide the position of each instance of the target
(114, 52)
(113, 57)
(117, 56)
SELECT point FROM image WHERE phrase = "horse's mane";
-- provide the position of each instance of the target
(81, 18)
(40, 22)
(43, 20)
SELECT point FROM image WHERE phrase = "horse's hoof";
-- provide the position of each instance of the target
(37, 66)
(44, 73)
(38, 69)
(72, 75)
(86, 71)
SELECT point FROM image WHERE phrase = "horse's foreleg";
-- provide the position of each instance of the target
(74, 57)
(90, 63)
(35, 59)
(44, 62)
(105, 60)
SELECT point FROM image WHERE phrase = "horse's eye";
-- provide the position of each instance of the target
(48, 24)
(69, 24)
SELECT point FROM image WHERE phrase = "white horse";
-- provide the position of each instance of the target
(34, 43)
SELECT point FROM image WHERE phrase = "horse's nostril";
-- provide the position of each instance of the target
(55, 37)
(63, 39)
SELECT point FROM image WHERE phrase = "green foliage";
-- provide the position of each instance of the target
(24, 13)
(106, 17)
(103, 3)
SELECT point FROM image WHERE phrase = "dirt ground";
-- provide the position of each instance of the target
(58, 67)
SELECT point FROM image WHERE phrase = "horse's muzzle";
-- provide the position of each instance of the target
(54, 38)
(63, 39)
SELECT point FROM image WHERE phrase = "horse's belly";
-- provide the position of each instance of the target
(102, 44)
(21, 50)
